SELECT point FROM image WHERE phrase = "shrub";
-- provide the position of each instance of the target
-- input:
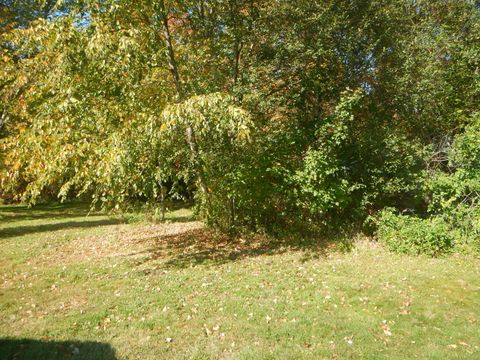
(464, 222)
(414, 236)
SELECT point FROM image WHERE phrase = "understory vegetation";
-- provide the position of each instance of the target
(452, 221)
(271, 117)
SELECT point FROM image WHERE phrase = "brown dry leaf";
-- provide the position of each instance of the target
(386, 328)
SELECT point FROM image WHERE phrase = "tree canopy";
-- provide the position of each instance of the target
(269, 113)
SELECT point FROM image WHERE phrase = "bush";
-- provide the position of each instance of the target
(414, 236)
(464, 222)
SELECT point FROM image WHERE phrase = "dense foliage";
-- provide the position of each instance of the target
(271, 114)
(453, 197)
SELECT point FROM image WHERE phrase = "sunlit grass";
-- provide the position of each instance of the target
(70, 283)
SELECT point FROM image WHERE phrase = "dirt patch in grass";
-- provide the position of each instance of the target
(119, 241)
(177, 245)
(190, 244)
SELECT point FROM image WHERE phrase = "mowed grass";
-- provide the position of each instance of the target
(93, 287)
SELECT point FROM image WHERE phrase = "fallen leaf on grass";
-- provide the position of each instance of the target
(207, 330)
(386, 328)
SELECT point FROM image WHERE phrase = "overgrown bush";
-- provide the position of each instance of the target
(453, 193)
(414, 236)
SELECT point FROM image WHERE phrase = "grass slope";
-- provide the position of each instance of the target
(77, 287)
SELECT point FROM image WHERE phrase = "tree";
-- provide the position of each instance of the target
(272, 113)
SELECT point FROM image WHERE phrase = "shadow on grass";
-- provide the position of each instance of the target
(169, 219)
(10, 214)
(13, 213)
(31, 229)
(179, 219)
(18, 349)
(205, 247)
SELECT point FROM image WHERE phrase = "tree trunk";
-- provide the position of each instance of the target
(162, 202)
(232, 213)
(190, 133)
(237, 49)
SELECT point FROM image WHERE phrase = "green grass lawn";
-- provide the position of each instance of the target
(79, 287)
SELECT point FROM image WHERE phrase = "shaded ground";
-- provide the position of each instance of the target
(178, 290)
(25, 230)
(16, 213)
(12, 349)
